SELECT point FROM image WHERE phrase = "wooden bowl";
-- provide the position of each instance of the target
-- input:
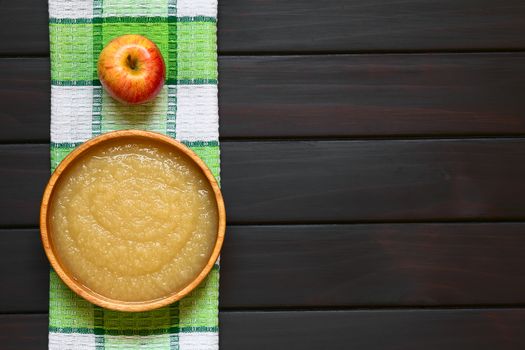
(47, 235)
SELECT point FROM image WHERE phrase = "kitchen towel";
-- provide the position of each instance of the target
(186, 109)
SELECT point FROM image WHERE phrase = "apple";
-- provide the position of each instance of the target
(131, 69)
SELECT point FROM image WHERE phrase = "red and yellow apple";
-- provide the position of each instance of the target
(131, 69)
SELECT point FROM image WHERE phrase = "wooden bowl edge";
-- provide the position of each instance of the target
(83, 291)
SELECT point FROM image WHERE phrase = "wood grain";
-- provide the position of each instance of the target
(482, 329)
(372, 95)
(327, 26)
(329, 181)
(369, 25)
(375, 330)
(370, 181)
(375, 265)
(24, 27)
(24, 172)
(25, 99)
(23, 332)
(329, 266)
(24, 272)
(341, 96)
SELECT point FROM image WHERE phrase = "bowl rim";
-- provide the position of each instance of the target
(67, 277)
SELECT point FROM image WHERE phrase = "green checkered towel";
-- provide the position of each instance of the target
(186, 109)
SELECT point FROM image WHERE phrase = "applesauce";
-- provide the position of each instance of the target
(133, 221)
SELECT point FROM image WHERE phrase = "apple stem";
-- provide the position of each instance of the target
(132, 63)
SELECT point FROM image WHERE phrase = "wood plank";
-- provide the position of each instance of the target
(24, 173)
(327, 26)
(372, 95)
(21, 332)
(341, 96)
(349, 181)
(329, 181)
(394, 265)
(25, 99)
(24, 27)
(24, 272)
(375, 330)
(369, 25)
(483, 329)
(373, 265)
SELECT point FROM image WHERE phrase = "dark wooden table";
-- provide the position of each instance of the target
(373, 159)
